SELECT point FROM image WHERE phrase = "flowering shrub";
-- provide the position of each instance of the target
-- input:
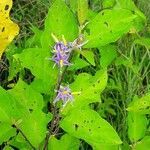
(55, 109)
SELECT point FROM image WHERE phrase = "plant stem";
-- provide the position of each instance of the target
(55, 121)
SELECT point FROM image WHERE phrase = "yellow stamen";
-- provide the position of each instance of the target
(61, 63)
(76, 93)
(65, 92)
(64, 40)
(54, 38)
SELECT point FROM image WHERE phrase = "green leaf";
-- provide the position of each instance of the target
(89, 55)
(6, 132)
(32, 101)
(139, 22)
(86, 124)
(19, 142)
(144, 144)
(108, 54)
(9, 114)
(34, 126)
(129, 4)
(105, 147)
(8, 108)
(86, 89)
(7, 148)
(36, 60)
(27, 97)
(91, 14)
(78, 63)
(108, 3)
(59, 21)
(34, 41)
(140, 105)
(137, 125)
(108, 26)
(66, 142)
(82, 11)
(73, 5)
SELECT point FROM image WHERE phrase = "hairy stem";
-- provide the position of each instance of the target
(54, 127)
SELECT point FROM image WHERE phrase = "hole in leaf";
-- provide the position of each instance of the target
(105, 23)
(3, 29)
(76, 126)
(31, 110)
(103, 13)
(6, 7)
(148, 107)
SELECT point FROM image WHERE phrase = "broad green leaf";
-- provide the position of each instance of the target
(108, 26)
(78, 63)
(14, 67)
(27, 97)
(108, 3)
(89, 55)
(9, 115)
(91, 14)
(73, 5)
(8, 29)
(140, 105)
(36, 60)
(6, 132)
(34, 126)
(82, 11)
(108, 54)
(66, 142)
(86, 89)
(105, 147)
(59, 21)
(34, 129)
(139, 22)
(86, 124)
(129, 4)
(34, 41)
(137, 125)
(8, 108)
(7, 148)
(144, 144)
(19, 142)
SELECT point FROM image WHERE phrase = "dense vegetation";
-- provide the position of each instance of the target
(77, 75)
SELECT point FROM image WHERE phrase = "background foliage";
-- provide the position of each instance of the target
(125, 103)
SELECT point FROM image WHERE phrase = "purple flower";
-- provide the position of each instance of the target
(61, 59)
(60, 47)
(61, 54)
(64, 94)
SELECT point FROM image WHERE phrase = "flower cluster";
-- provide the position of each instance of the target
(61, 54)
(64, 94)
